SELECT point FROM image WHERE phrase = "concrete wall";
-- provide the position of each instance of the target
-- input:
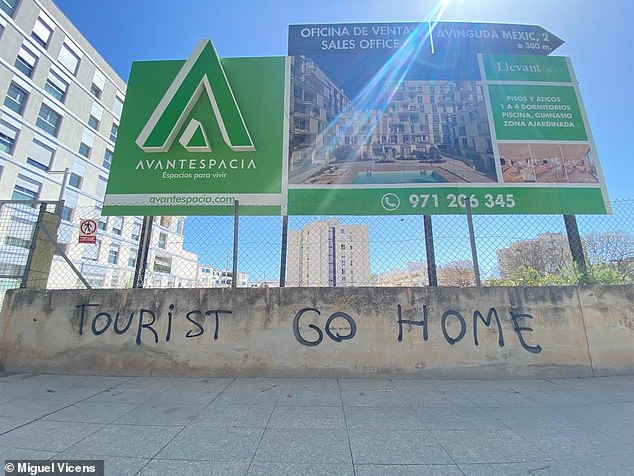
(408, 332)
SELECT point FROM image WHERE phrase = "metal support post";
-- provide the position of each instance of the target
(429, 250)
(144, 251)
(236, 221)
(576, 246)
(474, 253)
(284, 251)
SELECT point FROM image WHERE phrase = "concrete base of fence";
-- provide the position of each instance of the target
(322, 332)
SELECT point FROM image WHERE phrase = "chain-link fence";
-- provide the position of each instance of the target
(323, 251)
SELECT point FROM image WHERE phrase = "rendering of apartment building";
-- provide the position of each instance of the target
(328, 254)
(316, 102)
(59, 117)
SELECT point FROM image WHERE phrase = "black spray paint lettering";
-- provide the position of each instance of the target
(492, 316)
(101, 321)
(328, 328)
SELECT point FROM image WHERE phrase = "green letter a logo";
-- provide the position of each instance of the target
(203, 71)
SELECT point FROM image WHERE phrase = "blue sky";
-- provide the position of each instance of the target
(597, 37)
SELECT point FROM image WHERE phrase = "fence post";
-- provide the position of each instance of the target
(429, 251)
(236, 221)
(576, 246)
(144, 251)
(474, 252)
(284, 251)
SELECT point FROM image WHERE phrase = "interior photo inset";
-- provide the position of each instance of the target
(548, 163)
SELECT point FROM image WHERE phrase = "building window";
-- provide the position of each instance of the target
(132, 259)
(48, 120)
(8, 6)
(40, 156)
(26, 189)
(93, 122)
(8, 135)
(113, 255)
(56, 86)
(118, 106)
(136, 232)
(162, 265)
(107, 159)
(179, 227)
(16, 241)
(16, 98)
(95, 91)
(103, 223)
(75, 180)
(25, 62)
(162, 241)
(69, 58)
(84, 150)
(113, 132)
(100, 189)
(67, 213)
(117, 225)
(166, 221)
(41, 32)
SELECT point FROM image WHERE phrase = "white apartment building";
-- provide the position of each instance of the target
(211, 277)
(328, 254)
(60, 109)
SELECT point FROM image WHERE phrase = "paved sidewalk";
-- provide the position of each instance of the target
(192, 426)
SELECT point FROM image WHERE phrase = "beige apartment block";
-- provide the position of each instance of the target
(328, 254)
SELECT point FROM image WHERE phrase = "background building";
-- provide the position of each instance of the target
(59, 117)
(328, 254)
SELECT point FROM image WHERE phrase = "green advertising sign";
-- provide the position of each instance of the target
(197, 135)
(394, 118)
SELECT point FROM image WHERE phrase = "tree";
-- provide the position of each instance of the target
(456, 273)
(613, 248)
(548, 254)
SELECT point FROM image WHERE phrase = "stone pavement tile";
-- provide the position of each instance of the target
(576, 443)
(246, 416)
(113, 465)
(270, 385)
(545, 467)
(151, 383)
(383, 418)
(406, 469)
(488, 446)
(10, 392)
(48, 435)
(604, 465)
(396, 446)
(63, 394)
(303, 469)
(459, 418)
(528, 418)
(91, 412)
(308, 417)
(435, 399)
(125, 440)
(29, 408)
(201, 443)
(178, 414)
(621, 432)
(21, 453)
(304, 446)
(602, 414)
(307, 398)
(374, 398)
(164, 467)
(8, 423)
(365, 384)
(184, 395)
(328, 385)
(123, 395)
(500, 397)
(567, 398)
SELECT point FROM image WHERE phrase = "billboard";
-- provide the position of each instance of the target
(361, 119)
(196, 135)
(421, 118)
